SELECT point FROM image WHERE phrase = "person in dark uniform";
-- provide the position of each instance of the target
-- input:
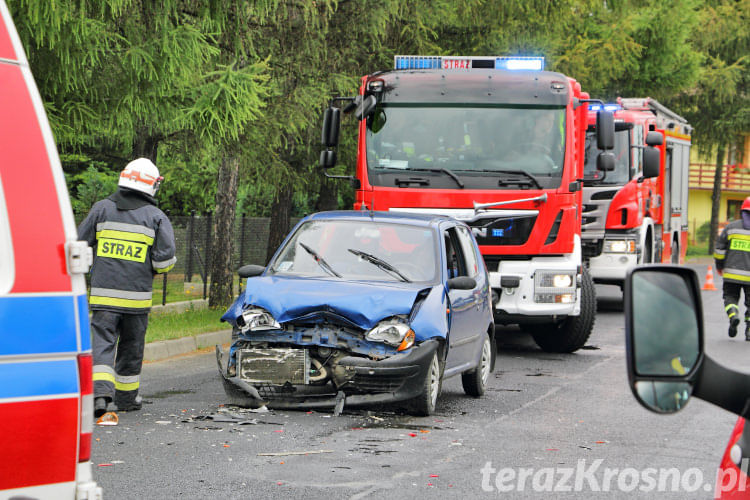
(132, 240)
(732, 255)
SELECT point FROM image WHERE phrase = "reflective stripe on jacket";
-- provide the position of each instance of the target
(130, 246)
(732, 253)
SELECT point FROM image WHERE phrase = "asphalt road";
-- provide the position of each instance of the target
(543, 414)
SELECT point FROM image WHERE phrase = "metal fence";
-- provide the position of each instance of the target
(188, 279)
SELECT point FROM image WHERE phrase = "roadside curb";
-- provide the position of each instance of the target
(163, 349)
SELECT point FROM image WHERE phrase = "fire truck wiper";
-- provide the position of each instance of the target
(507, 172)
(320, 260)
(380, 263)
(443, 170)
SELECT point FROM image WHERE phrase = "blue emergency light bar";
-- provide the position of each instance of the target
(469, 62)
(606, 107)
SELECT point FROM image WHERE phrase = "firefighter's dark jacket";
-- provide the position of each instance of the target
(132, 240)
(732, 253)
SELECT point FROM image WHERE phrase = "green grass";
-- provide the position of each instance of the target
(177, 291)
(697, 251)
(164, 326)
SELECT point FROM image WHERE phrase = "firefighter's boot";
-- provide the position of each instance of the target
(733, 323)
(128, 401)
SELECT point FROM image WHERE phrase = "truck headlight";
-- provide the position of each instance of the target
(619, 246)
(555, 287)
(396, 334)
(562, 280)
(256, 318)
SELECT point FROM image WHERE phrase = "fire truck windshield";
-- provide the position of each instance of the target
(466, 147)
(621, 174)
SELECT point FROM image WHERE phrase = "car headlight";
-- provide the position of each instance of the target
(396, 334)
(619, 246)
(255, 318)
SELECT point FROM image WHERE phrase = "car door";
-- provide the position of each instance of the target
(462, 335)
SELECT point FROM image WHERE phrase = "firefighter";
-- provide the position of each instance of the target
(732, 255)
(133, 241)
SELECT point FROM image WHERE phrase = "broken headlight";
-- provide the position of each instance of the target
(396, 334)
(255, 318)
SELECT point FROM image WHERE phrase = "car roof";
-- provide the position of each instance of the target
(382, 217)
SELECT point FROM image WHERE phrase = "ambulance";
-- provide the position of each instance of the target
(46, 397)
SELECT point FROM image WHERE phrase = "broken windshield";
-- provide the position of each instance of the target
(359, 251)
(485, 147)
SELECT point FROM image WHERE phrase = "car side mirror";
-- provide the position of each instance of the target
(651, 157)
(664, 335)
(654, 138)
(462, 283)
(250, 271)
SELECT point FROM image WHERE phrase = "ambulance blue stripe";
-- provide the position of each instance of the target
(37, 325)
(38, 378)
(83, 319)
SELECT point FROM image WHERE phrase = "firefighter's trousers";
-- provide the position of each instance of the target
(118, 343)
(732, 299)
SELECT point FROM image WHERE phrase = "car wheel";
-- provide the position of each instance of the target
(424, 404)
(475, 382)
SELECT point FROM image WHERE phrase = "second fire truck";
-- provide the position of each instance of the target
(636, 213)
(498, 143)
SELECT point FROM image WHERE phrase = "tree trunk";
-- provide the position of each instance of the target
(328, 195)
(220, 266)
(145, 146)
(280, 219)
(716, 199)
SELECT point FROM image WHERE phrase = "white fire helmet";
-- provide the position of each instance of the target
(141, 175)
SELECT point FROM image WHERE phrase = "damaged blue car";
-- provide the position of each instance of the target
(361, 309)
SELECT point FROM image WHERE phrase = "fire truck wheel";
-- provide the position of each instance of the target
(675, 252)
(572, 333)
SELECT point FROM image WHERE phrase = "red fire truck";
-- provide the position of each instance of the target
(636, 213)
(498, 143)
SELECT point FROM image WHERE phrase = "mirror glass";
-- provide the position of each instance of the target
(665, 397)
(665, 324)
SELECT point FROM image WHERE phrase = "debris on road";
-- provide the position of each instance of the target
(285, 453)
(109, 418)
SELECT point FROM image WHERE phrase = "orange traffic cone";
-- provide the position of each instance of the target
(709, 284)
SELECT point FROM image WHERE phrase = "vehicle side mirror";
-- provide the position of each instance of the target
(327, 159)
(366, 108)
(605, 161)
(654, 138)
(651, 157)
(605, 130)
(664, 335)
(462, 283)
(331, 125)
(250, 271)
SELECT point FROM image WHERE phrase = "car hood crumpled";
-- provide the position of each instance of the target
(287, 299)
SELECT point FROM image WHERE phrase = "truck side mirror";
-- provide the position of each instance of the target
(366, 108)
(605, 161)
(605, 130)
(651, 157)
(664, 335)
(331, 125)
(327, 159)
(654, 138)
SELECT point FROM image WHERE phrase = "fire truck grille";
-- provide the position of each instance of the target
(503, 230)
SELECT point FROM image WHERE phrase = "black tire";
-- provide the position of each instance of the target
(648, 251)
(424, 404)
(475, 381)
(572, 333)
(675, 252)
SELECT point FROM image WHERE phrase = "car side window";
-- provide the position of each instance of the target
(454, 255)
(470, 256)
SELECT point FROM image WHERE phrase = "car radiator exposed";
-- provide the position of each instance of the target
(274, 365)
